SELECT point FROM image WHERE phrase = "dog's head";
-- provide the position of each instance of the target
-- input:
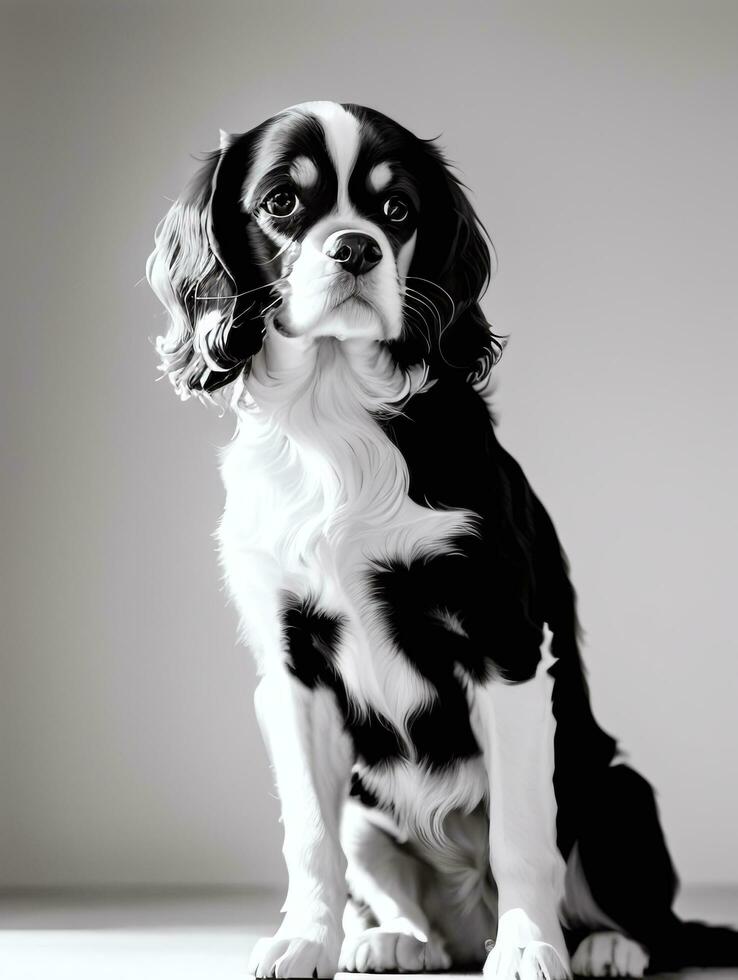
(326, 220)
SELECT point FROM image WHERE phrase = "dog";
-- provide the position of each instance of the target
(442, 778)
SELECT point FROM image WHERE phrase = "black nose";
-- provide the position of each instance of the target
(357, 253)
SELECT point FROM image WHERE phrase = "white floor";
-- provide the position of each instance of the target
(184, 935)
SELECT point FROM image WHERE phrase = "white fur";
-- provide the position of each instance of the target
(515, 727)
(311, 756)
(380, 176)
(304, 172)
(367, 308)
(342, 138)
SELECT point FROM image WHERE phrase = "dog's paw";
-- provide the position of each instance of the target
(609, 954)
(395, 947)
(295, 956)
(522, 951)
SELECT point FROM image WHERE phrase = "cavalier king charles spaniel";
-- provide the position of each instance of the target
(448, 798)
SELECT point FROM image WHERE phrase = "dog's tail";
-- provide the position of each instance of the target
(694, 945)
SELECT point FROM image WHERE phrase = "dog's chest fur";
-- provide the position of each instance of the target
(317, 499)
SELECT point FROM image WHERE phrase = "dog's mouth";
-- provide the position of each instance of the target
(350, 293)
(345, 293)
(345, 289)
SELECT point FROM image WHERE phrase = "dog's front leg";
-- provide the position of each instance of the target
(311, 756)
(516, 730)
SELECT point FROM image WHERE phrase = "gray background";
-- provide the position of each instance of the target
(600, 143)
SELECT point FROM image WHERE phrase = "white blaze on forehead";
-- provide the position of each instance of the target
(379, 177)
(304, 172)
(342, 140)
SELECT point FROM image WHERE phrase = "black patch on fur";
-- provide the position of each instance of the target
(360, 791)
(486, 578)
(312, 640)
(441, 733)
(376, 741)
(312, 637)
(503, 584)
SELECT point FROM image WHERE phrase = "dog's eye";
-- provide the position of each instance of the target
(396, 208)
(281, 203)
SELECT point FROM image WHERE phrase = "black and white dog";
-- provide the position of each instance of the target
(442, 778)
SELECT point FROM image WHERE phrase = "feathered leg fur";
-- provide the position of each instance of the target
(311, 756)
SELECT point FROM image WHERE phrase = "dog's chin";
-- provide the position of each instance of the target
(353, 318)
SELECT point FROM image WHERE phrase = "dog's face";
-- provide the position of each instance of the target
(334, 222)
(326, 220)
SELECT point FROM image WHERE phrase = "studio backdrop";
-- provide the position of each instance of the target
(600, 144)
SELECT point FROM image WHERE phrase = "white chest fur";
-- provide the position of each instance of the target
(316, 493)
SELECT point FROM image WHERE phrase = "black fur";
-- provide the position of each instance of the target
(632, 877)
(504, 584)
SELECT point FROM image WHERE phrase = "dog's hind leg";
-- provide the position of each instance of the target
(388, 880)
(620, 881)
(630, 875)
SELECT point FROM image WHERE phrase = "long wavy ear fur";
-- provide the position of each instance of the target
(210, 337)
(453, 267)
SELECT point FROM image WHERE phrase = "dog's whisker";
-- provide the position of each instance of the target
(423, 333)
(443, 326)
(419, 297)
(427, 300)
(426, 333)
(275, 302)
(245, 292)
(436, 285)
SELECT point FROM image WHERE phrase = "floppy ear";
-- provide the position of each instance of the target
(202, 272)
(452, 267)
